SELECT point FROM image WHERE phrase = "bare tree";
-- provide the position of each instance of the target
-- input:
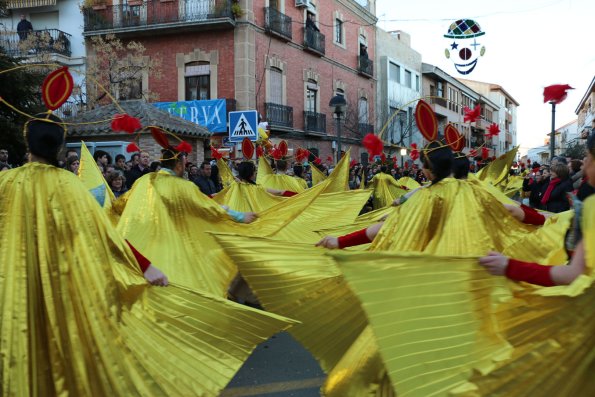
(119, 68)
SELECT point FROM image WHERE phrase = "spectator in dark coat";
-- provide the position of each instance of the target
(204, 181)
(554, 198)
(138, 170)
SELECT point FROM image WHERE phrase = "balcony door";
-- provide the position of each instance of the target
(197, 10)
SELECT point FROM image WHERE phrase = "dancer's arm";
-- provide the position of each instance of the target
(151, 273)
(359, 237)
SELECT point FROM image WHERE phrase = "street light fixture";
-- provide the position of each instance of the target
(338, 105)
(403, 154)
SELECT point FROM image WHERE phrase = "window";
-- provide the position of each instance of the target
(363, 110)
(394, 122)
(408, 78)
(338, 31)
(394, 72)
(276, 88)
(197, 78)
(453, 102)
(417, 83)
(440, 89)
(311, 96)
(131, 88)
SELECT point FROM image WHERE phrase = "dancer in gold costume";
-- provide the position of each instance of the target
(77, 316)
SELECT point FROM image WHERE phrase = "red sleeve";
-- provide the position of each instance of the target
(356, 238)
(143, 262)
(529, 273)
(288, 193)
(532, 217)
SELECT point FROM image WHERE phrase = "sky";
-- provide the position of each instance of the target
(530, 44)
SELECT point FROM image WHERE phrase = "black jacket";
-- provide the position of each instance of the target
(206, 185)
(558, 200)
(535, 189)
(133, 174)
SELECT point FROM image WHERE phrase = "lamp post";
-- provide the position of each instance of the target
(553, 135)
(338, 104)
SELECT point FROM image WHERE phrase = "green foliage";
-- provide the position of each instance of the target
(22, 89)
(576, 149)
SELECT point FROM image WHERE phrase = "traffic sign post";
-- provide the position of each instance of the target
(243, 124)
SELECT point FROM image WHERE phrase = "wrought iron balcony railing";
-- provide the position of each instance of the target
(154, 13)
(314, 41)
(35, 42)
(277, 23)
(315, 122)
(365, 66)
(279, 115)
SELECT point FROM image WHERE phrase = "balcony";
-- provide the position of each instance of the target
(279, 115)
(509, 139)
(365, 66)
(150, 15)
(438, 101)
(36, 42)
(364, 128)
(313, 41)
(314, 123)
(277, 24)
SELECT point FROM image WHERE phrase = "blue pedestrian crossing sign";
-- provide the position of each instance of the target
(242, 125)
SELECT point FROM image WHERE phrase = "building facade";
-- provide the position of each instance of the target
(448, 97)
(586, 112)
(399, 87)
(262, 55)
(507, 114)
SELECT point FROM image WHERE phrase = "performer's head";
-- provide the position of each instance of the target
(246, 171)
(174, 160)
(437, 161)
(45, 137)
(460, 167)
(298, 170)
(281, 165)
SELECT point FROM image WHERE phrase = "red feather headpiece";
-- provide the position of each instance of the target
(216, 154)
(453, 138)
(373, 144)
(472, 115)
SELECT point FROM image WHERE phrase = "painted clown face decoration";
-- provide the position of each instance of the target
(464, 47)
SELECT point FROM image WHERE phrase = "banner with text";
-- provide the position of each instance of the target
(208, 113)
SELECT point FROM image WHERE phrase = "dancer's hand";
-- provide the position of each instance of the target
(328, 242)
(515, 211)
(155, 276)
(495, 263)
(250, 217)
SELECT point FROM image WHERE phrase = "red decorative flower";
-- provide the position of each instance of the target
(373, 144)
(329, 158)
(317, 161)
(414, 155)
(556, 93)
(216, 154)
(472, 115)
(259, 151)
(493, 130)
(184, 147)
(485, 153)
(126, 123)
(132, 147)
(473, 153)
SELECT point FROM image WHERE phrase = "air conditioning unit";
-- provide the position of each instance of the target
(302, 3)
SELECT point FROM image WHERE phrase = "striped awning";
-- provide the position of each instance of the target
(13, 4)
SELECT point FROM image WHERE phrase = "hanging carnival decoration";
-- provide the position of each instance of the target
(465, 49)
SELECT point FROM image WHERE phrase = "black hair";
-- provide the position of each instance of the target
(460, 166)
(298, 170)
(383, 169)
(281, 165)
(154, 165)
(591, 144)
(171, 158)
(134, 155)
(246, 171)
(202, 165)
(438, 158)
(45, 137)
(99, 153)
(120, 156)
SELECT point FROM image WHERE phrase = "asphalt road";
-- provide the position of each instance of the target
(280, 367)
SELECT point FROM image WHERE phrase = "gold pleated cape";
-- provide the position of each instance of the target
(247, 197)
(498, 170)
(225, 172)
(408, 182)
(282, 182)
(317, 175)
(447, 328)
(385, 190)
(77, 317)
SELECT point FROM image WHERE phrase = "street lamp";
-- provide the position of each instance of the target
(338, 104)
(553, 135)
(403, 154)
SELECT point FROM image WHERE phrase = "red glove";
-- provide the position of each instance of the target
(288, 193)
(356, 238)
(532, 217)
(143, 262)
(529, 273)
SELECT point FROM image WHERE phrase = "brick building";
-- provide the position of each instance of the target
(259, 54)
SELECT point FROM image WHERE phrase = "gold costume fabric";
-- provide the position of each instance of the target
(385, 190)
(78, 318)
(408, 182)
(247, 197)
(317, 175)
(264, 170)
(225, 173)
(445, 327)
(498, 170)
(282, 182)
